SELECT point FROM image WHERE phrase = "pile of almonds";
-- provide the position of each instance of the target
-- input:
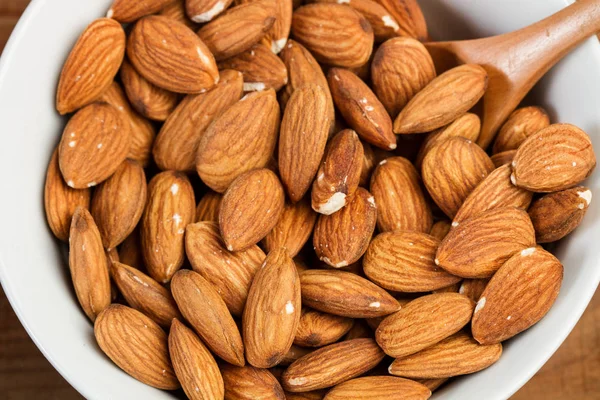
(425, 251)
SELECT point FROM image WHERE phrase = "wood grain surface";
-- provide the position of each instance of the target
(573, 372)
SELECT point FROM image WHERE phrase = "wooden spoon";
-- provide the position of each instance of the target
(516, 61)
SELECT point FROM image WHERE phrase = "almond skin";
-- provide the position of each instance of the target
(176, 10)
(93, 145)
(345, 294)
(331, 365)
(126, 11)
(459, 354)
(130, 251)
(401, 204)
(473, 288)
(335, 34)
(137, 345)
(517, 296)
(317, 329)
(409, 16)
(156, 43)
(293, 354)
(250, 209)
(361, 108)
(440, 229)
(223, 154)
(403, 261)
(452, 169)
(61, 201)
(201, 305)
(177, 143)
(506, 157)
(400, 69)
(293, 229)
(276, 38)
(91, 66)
(443, 100)
(208, 207)
(555, 158)
(194, 365)
(522, 123)
(342, 238)
(88, 264)
(379, 387)
(170, 208)
(250, 383)
(302, 140)
(118, 203)
(477, 247)
(423, 322)
(557, 214)
(201, 11)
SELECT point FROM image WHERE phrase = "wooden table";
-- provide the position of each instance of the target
(572, 373)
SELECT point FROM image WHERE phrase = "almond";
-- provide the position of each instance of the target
(118, 203)
(432, 384)
(495, 191)
(345, 294)
(334, 34)
(91, 66)
(459, 354)
(310, 395)
(360, 329)
(522, 123)
(129, 11)
(277, 36)
(250, 383)
(452, 169)
(223, 154)
(170, 208)
(208, 207)
(409, 16)
(368, 165)
(317, 329)
(293, 354)
(176, 10)
(230, 273)
(401, 204)
(201, 11)
(201, 305)
(477, 247)
(156, 43)
(555, 158)
(440, 229)
(61, 201)
(331, 365)
(293, 229)
(443, 100)
(403, 261)
(423, 322)
(517, 296)
(473, 288)
(342, 238)
(454, 288)
(379, 387)
(137, 345)
(401, 68)
(272, 310)
(557, 214)
(304, 131)
(250, 208)
(177, 143)
(130, 251)
(88, 264)
(505, 157)
(339, 173)
(361, 108)
(93, 145)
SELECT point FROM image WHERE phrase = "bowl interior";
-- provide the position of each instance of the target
(36, 278)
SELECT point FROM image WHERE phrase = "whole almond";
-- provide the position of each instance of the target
(459, 354)
(94, 143)
(304, 131)
(401, 67)
(345, 294)
(506, 157)
(276, 38)
(170, 208)
(423, 322)
(137, 345)
(331, 365)
(401, 204)
(61, 201)
(317, 329)
(91, 66)
(452, 169)
(241, 139)
(440, 229)
(334, 34)
(130, 251)
(208, 207)
(477, 247)
(473, 288)
(342, 238)
(250, 208)
(293, 229)
(202, 306)
(522, 123)
(129, 11)
(557, 214)
(177, 142)
(517, 296)
(250, 383)
(201, 11)
(409, 16)
(156, 43)
(88, 264)
(555, 158)
(118, 203)
(194, 365)
(443, 100)
(379, 387)
(403, 261)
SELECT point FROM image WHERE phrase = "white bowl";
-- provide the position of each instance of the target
(33, 270)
